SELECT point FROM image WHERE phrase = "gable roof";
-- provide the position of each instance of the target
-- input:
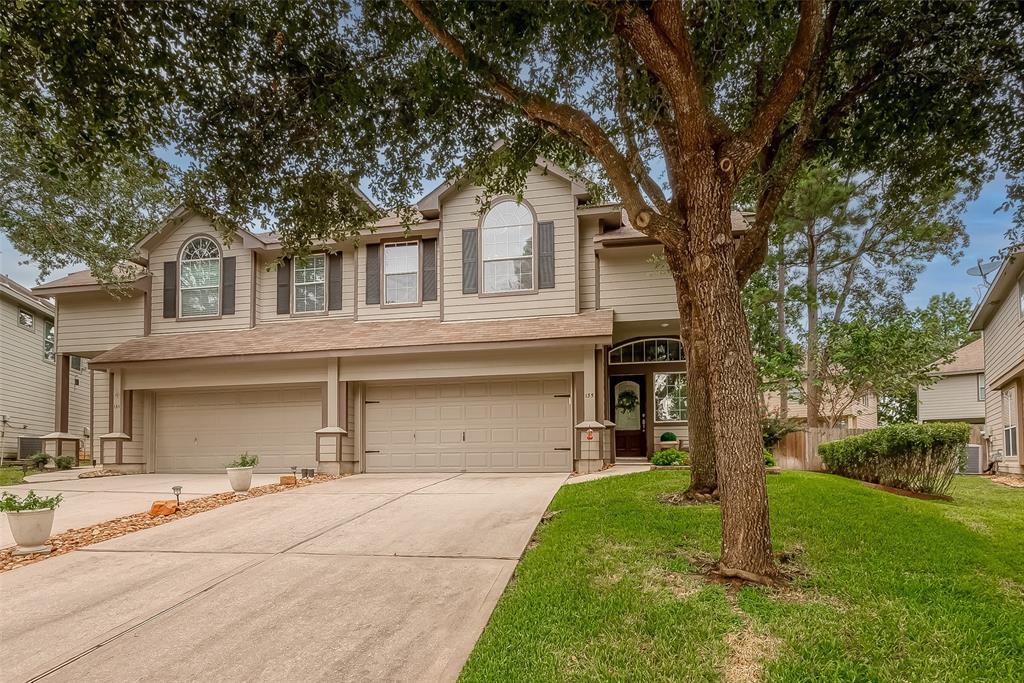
(84, 281)
(179, 215)
(24, 296)
(1007, 276)
(969, 359)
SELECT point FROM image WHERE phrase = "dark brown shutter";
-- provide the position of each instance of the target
(546, 255)
(284, 288)
(430, 269)
(171, 289)
(227, 306)
(334, 282)
(470, 274)
(372, 274)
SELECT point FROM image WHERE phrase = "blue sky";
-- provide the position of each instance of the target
(987, 230)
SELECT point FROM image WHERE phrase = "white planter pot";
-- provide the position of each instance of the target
(662, 445)
(30, 529)
(240, 478)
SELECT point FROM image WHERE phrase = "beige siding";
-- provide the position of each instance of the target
(428, 309)
(133, 451)
(994, 419)
(1004, 339)
(634, 287)
(28, 382)
(167, 250)
(348, 445)
(954, 397)
(857, 415)
(588, 265)
(92, 322)
(266, 291)
(552, 200)
(100, 407)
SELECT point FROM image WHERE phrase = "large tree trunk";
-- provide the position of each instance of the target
(813, 392)
(732, 385)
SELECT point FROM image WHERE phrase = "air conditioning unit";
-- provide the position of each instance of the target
(972, 463)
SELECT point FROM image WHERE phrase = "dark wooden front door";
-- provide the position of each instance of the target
(629, 413)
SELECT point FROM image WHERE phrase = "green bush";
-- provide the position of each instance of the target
(669, 436)
(11, 503)
(915, 457)
(64, 462)
(39, 460)
(246, 460)
(769, 459)
(670, 456)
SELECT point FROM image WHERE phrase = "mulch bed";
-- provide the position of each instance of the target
(71, 539)
(908, 494)
(1014, 481)
(92, 474)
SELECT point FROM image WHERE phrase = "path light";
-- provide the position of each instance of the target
(295, 471)
(177, 494)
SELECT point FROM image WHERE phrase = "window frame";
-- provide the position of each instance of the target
(295, 284)
(383, 274)
(481, 261)
(981, 386)
(1011, 423)
(31, 327)
(220, 278)
(685, 418)
(643, 341)
(51, 356)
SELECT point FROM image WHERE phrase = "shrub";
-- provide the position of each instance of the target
(64, 462)
(246, 460)
(775, 428)
(11, 503)
(669, 436)
(670, 456)
(915, 457)
(769, 458)
(39, 460)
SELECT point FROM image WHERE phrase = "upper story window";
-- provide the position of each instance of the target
(49, 341)
(507, 250)
(981, 386)
(658, 350)
(310, 288)
(26, 319)
(401, 272)
(199, 273)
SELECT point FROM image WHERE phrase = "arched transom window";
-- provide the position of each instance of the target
(655, 350)
(199, 278)
(507, 253)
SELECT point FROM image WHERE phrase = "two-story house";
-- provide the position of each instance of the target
(958, 393)
(505, 337)
(1000, 319)
(28, 375)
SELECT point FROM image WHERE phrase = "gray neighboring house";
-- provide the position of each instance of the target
(958, 394)
(28, 375)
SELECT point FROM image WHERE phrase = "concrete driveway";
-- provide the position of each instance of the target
(90, 501)
(372, 577)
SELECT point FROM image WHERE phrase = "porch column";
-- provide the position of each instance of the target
(330, 437)
(59, 442)
(590, 432)
(119, 404)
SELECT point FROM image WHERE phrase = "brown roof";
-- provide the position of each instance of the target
(313, 336)
(25, 295)
(627, 234)
(84, 278)
(969, 358)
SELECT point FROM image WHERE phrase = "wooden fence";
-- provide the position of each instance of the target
(799, 450)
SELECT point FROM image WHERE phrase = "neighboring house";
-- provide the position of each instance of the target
(1000, 319)
(859, 413)
(958, 393)
(494, 339)
(28, 372)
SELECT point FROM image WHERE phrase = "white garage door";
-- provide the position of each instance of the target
(496, 425)
(204, 431)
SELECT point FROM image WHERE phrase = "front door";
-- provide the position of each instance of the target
(630, 416)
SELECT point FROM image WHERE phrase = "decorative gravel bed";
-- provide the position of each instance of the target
(71, 539)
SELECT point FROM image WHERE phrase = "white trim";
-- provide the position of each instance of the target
(654, 396)
(642, 342)
(219, 259)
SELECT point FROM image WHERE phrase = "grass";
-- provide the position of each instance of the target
(896, 589)
(11, 475)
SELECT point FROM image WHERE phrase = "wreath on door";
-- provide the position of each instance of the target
(627, 401)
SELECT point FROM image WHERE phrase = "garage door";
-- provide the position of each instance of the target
(499, 425)
(204, 431)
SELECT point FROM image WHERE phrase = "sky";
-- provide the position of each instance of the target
(987, 231)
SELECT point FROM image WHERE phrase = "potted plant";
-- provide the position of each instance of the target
(30, 519)
(240, 472)
(668, 440)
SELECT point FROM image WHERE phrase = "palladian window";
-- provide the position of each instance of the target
(199, 273)
(507, 234)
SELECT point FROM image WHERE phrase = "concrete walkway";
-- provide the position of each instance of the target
(613, 471)
(372, 577)
(90, 501)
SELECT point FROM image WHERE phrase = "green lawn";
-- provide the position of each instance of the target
(11, 475)
(896, 589)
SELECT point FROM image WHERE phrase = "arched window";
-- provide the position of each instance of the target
(507, 253)
(654, 350)
(199, 278)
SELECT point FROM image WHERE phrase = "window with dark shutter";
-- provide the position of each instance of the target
(470, 267)
(227, 306)
(170, 289)
(430, 269)
(334, 283)
(545, 255)
(372, 274)
(284, 273)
